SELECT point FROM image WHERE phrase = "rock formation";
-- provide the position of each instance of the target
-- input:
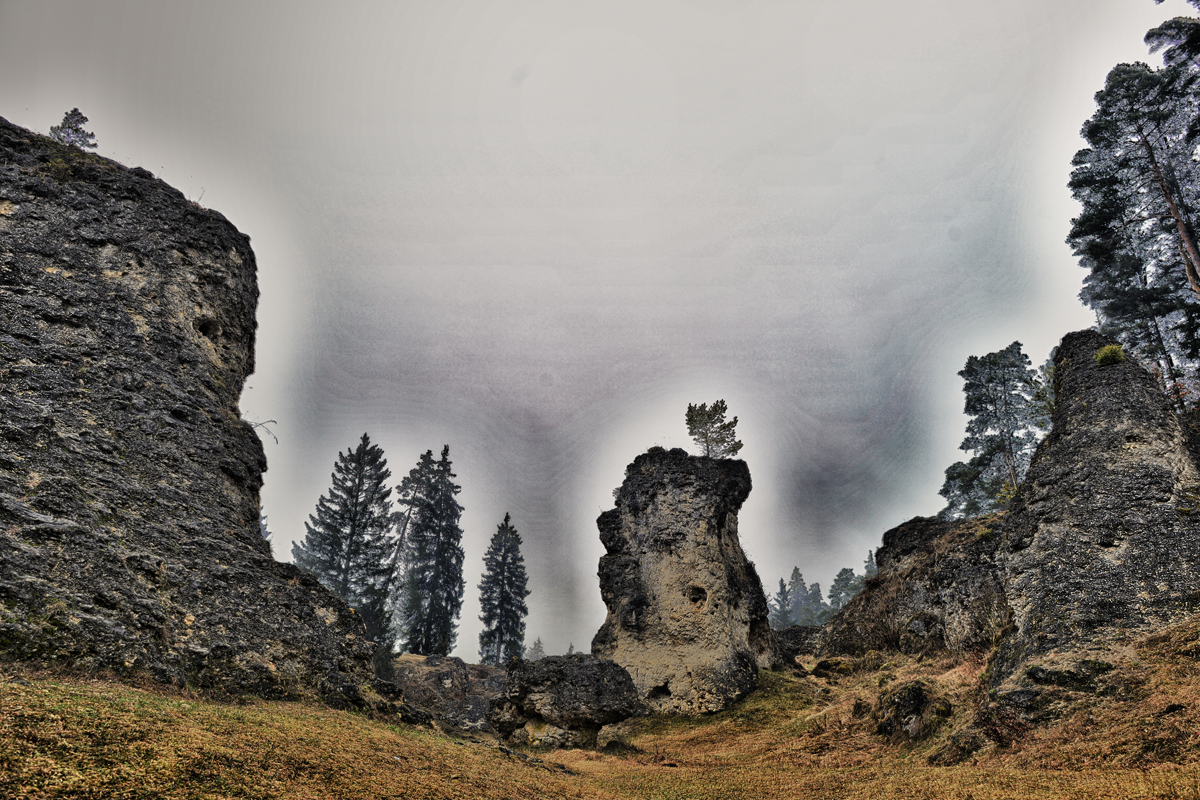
(686, 611)
(129, 537)
(456, 694)
(938, 588)
(1102, 540)
(562, 701)
(1104, 536)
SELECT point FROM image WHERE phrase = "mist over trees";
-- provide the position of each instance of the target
(796, 602)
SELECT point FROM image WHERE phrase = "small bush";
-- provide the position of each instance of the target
(1110, 354)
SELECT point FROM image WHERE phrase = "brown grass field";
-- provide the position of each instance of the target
(792, 738)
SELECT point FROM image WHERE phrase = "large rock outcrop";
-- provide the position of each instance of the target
(1104, 536)
(456, 695)
(686, 612)
(129, 537)
(1101, 541)
(938, 588)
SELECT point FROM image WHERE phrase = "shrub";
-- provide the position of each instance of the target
(1109, 354)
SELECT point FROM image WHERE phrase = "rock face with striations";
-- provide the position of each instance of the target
(686, 612)
(1104, 536)
(129, 537)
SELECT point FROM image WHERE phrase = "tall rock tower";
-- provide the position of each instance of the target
(686, 612)
(1104, 535)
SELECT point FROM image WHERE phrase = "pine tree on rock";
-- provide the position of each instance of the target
(712, 434)
(348, 542)
(502, 594)
(71, 132)
(430, 596)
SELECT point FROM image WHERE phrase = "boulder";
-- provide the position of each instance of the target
(129, 538)
(456, 694)
(687, 616)
(562, 701)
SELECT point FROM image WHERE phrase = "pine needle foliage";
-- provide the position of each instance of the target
(715, 437)
(71, 132)
(431, 594)
(502, 593)
(348, 542)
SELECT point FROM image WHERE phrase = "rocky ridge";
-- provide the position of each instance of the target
(129, 537)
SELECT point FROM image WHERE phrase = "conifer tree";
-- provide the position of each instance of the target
(798, 592)
(535, 650)
(1002, 432)
(430, 596)
(71, 131)
(502, 596)
(348, 542)
(843, 588)
(780, 615)
(713, 435)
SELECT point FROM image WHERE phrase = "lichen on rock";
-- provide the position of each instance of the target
(686, 611)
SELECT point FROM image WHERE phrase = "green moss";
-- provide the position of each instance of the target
(1109, 354)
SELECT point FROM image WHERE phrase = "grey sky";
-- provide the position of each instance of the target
(535, 231)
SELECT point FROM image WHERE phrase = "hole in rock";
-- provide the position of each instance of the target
(659, 692)
(697, 596)
(208, 327)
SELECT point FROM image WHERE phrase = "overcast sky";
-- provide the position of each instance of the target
(535, 231)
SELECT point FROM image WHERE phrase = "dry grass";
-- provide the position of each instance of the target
(793, 737)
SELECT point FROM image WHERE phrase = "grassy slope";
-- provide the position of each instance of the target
(792, 738)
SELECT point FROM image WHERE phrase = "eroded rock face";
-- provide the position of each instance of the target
(938, 588)
(562, 701)
(686, 612)
(129, 485)
(1104, 535)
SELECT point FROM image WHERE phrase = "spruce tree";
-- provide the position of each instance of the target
(780, 615)
(798, 592)
(502, 596)
(430, 596)
(348, 542)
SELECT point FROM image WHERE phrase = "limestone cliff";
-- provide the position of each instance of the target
(686, 612)
(1102, 540)
(129, 485)
(1104, 535)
